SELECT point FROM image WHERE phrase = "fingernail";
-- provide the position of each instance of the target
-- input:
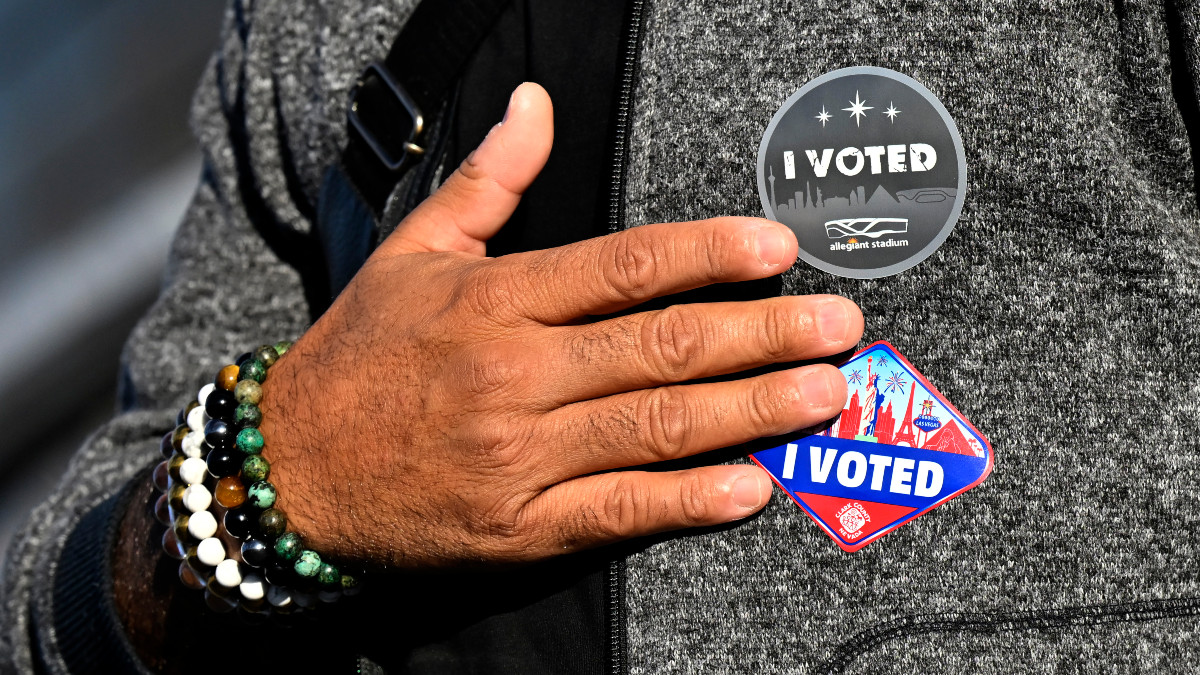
(511, 99)
(769, 244)
(833, 320)
(816, 390)
(748, 491)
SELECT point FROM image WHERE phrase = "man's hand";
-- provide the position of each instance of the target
(454, 409)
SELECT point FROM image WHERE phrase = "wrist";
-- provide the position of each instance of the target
(291, 424)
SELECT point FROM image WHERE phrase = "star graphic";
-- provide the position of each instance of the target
(857, 110)
(824, 116)
(891, 112)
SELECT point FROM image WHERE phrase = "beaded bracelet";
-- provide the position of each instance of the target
(214, 454)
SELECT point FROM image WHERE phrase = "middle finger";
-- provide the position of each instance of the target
(693, 341)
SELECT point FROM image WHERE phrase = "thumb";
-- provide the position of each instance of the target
(481, 195)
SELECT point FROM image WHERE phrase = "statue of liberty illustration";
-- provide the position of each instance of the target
(874, 393)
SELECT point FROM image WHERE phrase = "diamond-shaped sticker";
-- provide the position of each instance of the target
(898, 450)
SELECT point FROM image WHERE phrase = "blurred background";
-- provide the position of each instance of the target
(96, 166)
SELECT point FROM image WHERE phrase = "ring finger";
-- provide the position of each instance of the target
(664, 423)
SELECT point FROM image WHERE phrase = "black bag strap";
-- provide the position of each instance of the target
(388, 119)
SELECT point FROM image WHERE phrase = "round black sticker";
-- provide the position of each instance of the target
(867, 168)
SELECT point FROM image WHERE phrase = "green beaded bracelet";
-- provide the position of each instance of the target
(260, 493)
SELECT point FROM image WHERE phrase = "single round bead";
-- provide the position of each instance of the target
(221, 405)
(175, 496)
(279, 596)
(180, 528)
(181, 418)
(228, 573)
(192, 558)
(241, 523)
(174, 464)
(308, 564)
(193, 445)
(255, 553)
(288, 546)
(328, 575)
(250, 441)
(254, 612)
(214, 586)
(197, 498)
(247, 415)
(178, 435)
(189, 577)
(304, 598)
(248, 391)
(170, 544)
(202, 395)
(252, 587)
(193, 470)
(282, 347)
(272, 523)
(218, 603)
(230, 493)
(329, 596)
(350, 585)
(227, 378)
(261, 494)
(253, 370)
(224, 462)
(218, 434)
(166, 447)
(280, 573)
(161, 513)
(266, 354)
(196, 419)
(161, 475)
(202, 525)
(210, 551)
(242, 358)
(255, 468)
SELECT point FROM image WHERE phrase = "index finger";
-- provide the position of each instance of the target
(611, 273)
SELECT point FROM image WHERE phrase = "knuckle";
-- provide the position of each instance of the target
(695, 499)
(488, 370)
(488, 291)
(765, 409)
(497, 446)
(779, 329)
(632, 268)
(664, 418)
(672, 340)
(626, 510)
(720, 249)
(502, 529)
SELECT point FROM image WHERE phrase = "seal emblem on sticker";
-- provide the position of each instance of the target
(867, 168)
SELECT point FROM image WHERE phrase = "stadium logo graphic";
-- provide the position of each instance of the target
(867, 168)
(865, 227)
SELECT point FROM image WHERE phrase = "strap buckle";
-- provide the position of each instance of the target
(392, 126)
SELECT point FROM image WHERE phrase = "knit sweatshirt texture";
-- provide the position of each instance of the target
(1059, 317)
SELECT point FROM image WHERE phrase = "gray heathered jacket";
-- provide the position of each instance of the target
(1060, 317)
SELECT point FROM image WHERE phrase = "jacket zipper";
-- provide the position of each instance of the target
(631, 47)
